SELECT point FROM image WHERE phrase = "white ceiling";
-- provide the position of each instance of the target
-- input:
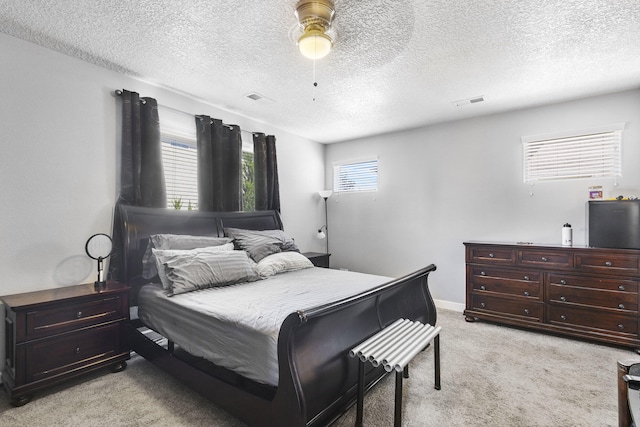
(396, 64)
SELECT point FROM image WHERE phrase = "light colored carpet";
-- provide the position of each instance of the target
(491, 376)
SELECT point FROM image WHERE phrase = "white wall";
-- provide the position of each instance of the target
(445, 184)
(58, 166)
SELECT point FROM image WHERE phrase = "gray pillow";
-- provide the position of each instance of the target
(281, 263)
(204, 269)
(260, 244)
(160, 256)
(175, 241)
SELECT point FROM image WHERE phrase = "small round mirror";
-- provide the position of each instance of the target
(99, 246)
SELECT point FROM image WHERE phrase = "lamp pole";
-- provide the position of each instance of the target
(326, 221)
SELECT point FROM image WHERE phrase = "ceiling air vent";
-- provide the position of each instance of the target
(255, 96)
(468, 101)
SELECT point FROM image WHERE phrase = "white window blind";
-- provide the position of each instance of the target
(356, 176)
(591, 154)
(180, 164)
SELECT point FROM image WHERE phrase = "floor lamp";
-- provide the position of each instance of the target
(325, 194)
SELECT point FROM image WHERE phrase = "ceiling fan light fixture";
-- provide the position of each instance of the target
(315, 17)
(314, 43)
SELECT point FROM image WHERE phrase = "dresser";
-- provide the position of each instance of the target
(56, 334)
(584, 292)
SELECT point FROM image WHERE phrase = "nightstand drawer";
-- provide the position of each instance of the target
(50, 357)
(57, 318)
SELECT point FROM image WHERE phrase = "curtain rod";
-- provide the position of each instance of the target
(118, 92)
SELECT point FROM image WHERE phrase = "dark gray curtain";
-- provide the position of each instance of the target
(219, 165)
(265, 163)
(141, 173)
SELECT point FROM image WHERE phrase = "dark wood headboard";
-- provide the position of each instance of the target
(133, 225)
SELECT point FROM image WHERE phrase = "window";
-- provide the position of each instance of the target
(590, 154)
(355, 176)
(180, 163)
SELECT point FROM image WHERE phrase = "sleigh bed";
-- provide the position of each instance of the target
(312, 380)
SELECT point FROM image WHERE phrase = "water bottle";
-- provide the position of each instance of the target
(567, 235)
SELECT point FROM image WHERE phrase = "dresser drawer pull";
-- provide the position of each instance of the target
(79, 314)
(544, 258)
(621, 287)
(621, 306)
(482, 273)
(621, 326)
(77, 351)
(563, 298)
(482, 288)
(526, 277)
(491, 255)
(563, 317)
(608, 264)
(526, 293)
(482, 304)
(563, 282)
(526, 311)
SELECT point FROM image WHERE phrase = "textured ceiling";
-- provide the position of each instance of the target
(396, 64)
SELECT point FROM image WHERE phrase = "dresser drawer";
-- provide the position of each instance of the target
(491, 255)
(547, 259)
(608, 284)
(608, 264)
(52, 319)
(564, 315)
(531, 310)
(511, 282)
(594, 297)
(55, 356)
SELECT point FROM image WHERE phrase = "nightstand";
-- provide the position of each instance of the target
(319, 259)
(56, 334)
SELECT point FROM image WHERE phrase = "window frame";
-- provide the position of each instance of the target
(585, 154)
(363, 184)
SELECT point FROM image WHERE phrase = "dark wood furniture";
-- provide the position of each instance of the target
(317, 380)
(56, 334)
(584, 292)
(319, 259)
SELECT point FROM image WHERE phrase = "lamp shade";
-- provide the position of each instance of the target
(321, 234)
(325, 194)
(314, 44)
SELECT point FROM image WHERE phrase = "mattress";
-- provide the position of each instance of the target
(237, 326)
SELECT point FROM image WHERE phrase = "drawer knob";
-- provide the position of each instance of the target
(482, 273)
(526, 277)
(608, 264)
(621, 306)
(526, 293)
(482, 288)
(482, 304)
(563, 282)
(621, 287)
(621, 326)
(79, 314)
(77, 350)
(544, 258)
(563, 298)
(491, 255)
(526, 311)
(563, 317)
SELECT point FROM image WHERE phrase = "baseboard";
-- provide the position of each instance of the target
(448, 305)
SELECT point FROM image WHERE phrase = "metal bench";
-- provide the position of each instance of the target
(393, 348)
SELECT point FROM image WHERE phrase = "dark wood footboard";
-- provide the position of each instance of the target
(317, 379)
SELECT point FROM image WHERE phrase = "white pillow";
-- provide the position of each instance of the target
(282, 262)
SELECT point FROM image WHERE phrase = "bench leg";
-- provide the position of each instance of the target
(397, 422)
(436, 354)
(360, 398)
